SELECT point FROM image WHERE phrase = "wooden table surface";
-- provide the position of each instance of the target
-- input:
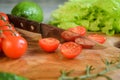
(38, 65)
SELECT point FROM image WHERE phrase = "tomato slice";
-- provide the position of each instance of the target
(49, 44)
(70, 49)
(99, 38)
(69, 36)
(85, 43)
(79, 30)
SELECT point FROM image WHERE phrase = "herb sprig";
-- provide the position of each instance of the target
(110, 66)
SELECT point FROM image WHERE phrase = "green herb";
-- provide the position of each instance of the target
(10, 76)
(110, 66)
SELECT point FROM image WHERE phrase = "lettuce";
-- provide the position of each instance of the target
(95, 15)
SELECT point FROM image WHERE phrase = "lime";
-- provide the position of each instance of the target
(29, 10)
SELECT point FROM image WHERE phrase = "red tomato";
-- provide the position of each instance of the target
(11, 33)
(3, 23)
(8, 26)
(79, 30)
(69, 36)
(0, 44)
(85, 43)
(99, 38)
(70, 49)
(49, 44)
(3, 16)
(8, 29)
(14, 47)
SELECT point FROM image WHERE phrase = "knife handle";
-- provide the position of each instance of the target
(25, 24)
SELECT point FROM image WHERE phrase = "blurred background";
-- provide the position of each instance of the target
(47, 5)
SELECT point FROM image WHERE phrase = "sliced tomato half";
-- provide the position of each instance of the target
(49, 44)
(70, 49)
(97, 37)
(79, 30)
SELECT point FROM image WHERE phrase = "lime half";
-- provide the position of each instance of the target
(29, 10)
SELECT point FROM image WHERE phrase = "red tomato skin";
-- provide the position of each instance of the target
(0, 44)
(49, 44)
(14, 46)
(79, 30)
(3, 23)
(70, 49)
(4, 15)
(8, 30)
(98, 38)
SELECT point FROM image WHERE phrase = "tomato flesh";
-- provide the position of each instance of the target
(49, 44)
(79, 30)
(98, 38)
(69, 36)
(70, 49)
(85, 43)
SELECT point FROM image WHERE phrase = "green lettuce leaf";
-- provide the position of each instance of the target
(94, 15)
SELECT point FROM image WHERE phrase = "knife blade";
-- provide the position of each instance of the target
(44, 29)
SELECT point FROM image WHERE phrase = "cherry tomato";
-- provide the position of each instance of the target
(69, 36)
(3, 16)
(8, 29)
(11, 33)
(70, 49)
(79, 30)
(85, 43)
(14, 46)
(8, 26)
(99, 38)
(2, 22)
(49, 44)
(0, 44)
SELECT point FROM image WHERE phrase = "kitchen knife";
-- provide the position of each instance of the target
(44, 29)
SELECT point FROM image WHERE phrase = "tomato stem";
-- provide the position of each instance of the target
(14, 33)
(2, 18)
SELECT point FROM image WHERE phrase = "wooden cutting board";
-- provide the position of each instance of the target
(39, 65)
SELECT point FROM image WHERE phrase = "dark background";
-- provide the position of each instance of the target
(47, 5)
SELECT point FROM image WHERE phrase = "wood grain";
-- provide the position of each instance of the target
(38, 65)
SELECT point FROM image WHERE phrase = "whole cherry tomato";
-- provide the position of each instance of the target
(3, 23)
(0, 44)
(8, 29)
(49, 44)
(4, 16)
(70, 49)
(99, 38)
(14, 46)
(79, 30)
